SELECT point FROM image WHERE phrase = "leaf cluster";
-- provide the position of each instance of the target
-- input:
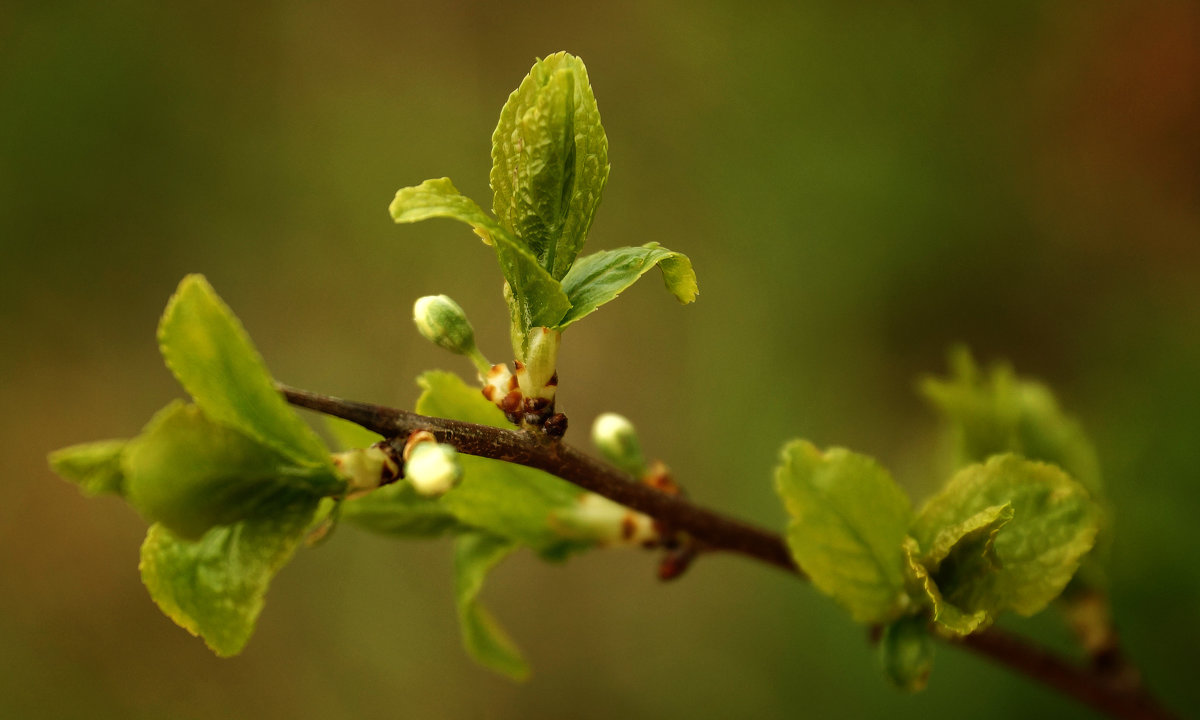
(233, 482)
(549, 169)
(1007, 531)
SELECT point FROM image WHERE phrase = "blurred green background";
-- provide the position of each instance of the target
(858, 187)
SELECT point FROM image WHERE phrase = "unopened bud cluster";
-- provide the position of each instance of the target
(527, 395)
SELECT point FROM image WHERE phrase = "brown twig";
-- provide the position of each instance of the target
(1090, 686)
(522, 447)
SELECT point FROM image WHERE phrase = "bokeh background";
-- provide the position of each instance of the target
(859, 187)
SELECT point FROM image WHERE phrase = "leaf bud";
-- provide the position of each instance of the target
(598, 520)
(433, 468)
(536, 374)
(365, 469)
(906, 651)
(617, 441)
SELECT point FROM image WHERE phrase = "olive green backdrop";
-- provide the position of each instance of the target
(858, 188)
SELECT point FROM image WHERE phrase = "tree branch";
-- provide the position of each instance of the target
(522, 447)
(716, 532)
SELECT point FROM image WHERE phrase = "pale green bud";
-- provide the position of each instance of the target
(441, 321)
(617, 441)
(906, 651)
(432, 468)
(598, 520)
(365, 469)
(537, 375)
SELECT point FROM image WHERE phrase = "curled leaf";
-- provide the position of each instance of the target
(600, 277)
(1022, 528)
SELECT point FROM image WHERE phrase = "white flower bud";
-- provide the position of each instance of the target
(432, 468)
(441, 321)
(617, 440)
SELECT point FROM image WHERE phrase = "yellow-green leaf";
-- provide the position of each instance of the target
(550, 161)
(190, 473)
(602, 276)
(1054, 524)
(994, 411)
(211, 355)
(399, 510)
(978, 530)
(475, 554)
(848, 522)
(538, 297)
(214, 587)
(95, 467)
(949, 619)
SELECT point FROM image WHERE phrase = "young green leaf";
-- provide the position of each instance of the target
(906, 651)
(475, 554)
(550, 161)
(189, 474)
(95, 467)
(211, 355)
(949, 619)
(602, 276)
(849, 519)
(538, 297)
(214, 587)
(979, 531)
(993, 411)
(968, 551)
(997, 412)
(1053, 525)
(507, 500)
(536, 150)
